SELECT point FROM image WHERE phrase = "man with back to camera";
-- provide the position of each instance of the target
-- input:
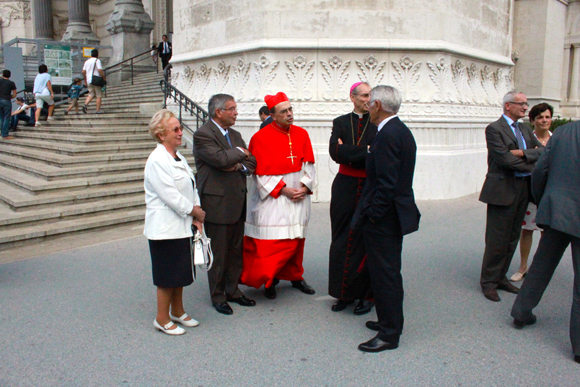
(386, 212)
(93, 66)
(278, 202)
(223, 163)
(352, 134)
(7, 93)
(556, 189)
(265, 116)
(512, 151)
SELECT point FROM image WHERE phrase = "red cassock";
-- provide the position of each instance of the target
(275, 226)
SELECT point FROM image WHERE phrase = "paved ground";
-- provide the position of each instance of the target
(84, 317)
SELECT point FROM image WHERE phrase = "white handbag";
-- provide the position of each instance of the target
(201, 254)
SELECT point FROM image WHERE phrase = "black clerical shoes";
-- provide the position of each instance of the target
(270, 292)
(340, 305)
(363, 307)
(377, 345)
(223, 308)
(509, 288)
(519, 324)
(373, 325)
(243, 301)
(491, 294)
(303, 287)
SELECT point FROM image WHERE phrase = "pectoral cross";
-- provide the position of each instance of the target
(291, 157)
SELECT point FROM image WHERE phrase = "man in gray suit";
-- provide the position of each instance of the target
(512, 152)
(556, 187)
(223, 162)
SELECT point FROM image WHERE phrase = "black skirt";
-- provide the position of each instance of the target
(171, 262)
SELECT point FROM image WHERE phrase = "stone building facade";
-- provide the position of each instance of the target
(453, 60)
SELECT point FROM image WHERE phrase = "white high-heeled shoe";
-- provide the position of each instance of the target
(165, 329)
(182, 320)
(517, 277)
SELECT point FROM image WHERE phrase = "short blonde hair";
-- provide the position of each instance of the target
(158, 122)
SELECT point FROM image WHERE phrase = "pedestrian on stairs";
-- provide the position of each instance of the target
(93, 67)
(7, 92)
(74, 93)
(43, 93)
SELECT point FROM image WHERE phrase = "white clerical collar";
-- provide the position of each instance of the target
(384, 122)
(360, 116)
(224, 131)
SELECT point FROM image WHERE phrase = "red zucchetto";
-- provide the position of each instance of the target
(273, 100)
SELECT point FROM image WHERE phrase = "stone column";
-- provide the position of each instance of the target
(43, 19)
(79, 28)
(130, 28)
(566, 72)
(574, 85)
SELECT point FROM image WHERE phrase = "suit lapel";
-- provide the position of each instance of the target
(506, 128)
(218, 133)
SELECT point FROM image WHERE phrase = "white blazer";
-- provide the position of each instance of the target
(170, 195)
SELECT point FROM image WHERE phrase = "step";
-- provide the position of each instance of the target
(87, 131)
(51, 173)
(70, 149)
(61, 160)
(51, 214)
(35, 185)
(11, 238)
(18, 200)
(84, 139)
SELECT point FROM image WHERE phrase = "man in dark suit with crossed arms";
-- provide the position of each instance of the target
(556, 189)
(512, 152)
(387, 211)
(223, 162)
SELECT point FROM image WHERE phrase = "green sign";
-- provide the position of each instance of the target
(59, 62)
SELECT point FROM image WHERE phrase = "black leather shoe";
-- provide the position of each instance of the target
(377, 345)
(223, 308)
(373, 325)
(577, 359)
(243, 301)
(509, 288)
(270, 292)
(340, 305)
(303, 287)
(519, 324)
(491, 294)
(363, 307)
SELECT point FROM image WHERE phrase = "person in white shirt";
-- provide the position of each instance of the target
(173, 206)
(43, 92)
(92, 67)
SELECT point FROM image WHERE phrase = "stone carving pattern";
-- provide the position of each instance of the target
(161, 22)
(241, 75)
(499, 84)
(474, 82)
(371, 70)
(509, 79)
(335, 76)
(488, 86)
(440, 76)
(300, 76)
(18, 10)
(264, 76)
(459, 76)
(200, 81)
(406, 76)
(221, 77)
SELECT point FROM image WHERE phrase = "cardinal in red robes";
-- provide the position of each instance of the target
(278, 201)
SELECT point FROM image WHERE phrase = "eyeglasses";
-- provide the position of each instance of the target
(232, 109)
(178, 128)
(520, 103)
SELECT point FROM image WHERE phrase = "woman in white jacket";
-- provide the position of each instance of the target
(172, 207)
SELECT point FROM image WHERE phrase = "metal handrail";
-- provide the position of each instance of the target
(185, 104)
(130, 62)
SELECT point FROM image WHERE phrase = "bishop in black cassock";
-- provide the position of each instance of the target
(348, 273)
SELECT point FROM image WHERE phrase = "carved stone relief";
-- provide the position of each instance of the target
(17, 10)
(299, 76)
(264, 76)
(406, 76)
(440, 77)
(371, 70)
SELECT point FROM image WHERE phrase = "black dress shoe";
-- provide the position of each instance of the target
(509, 288)
(377, 345)
(373, 325)
(577, 359)
(340, 305)
(223, 308)
(270, 292)
(303, 287)
(491, 294)
(519, 324)
(243, 301)
(363, 307)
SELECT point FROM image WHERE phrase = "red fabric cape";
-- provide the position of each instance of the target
(272, 148)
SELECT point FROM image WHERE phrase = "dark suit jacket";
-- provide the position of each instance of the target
(556, 181)
(499, 188)
(388, 191)
(349, 153)
(160, 49)
(266, 122)
(222, 194)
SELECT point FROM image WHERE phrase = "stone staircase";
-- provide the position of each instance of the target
(78, 173)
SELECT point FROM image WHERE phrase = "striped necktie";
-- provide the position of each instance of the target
(519, 136)
(228, 138)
